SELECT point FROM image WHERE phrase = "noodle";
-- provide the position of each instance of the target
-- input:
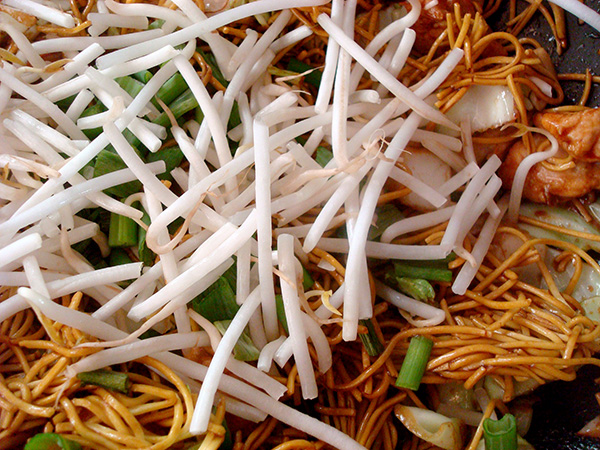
(520, 320)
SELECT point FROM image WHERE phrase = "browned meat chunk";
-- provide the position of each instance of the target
(547, 186)
(495, 141)
(432, 21)
(577, 132)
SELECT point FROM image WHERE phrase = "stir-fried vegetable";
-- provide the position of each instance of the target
(267, 207)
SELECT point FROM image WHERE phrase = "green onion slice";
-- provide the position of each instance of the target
(370, 340)
(413, 367)
(114, 381)
(51, 441)
(500, 434)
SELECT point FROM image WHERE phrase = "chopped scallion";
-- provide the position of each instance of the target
(51, 441)
(323, 156)
(173, 88)
(209, 58)
(227, 443)
(118, 257)
(149, 334)
(122, 231)
(234, 117)
(427, 270)
(92, 110)
(146, 255)
(370, 340)
(417, 288)
(130, 85)
(107, 162)
(281, 313)
(386, 216)
(114, 381)
(172, 157)
(156, 24)
(65, 103)
(143, 75)
(244, 349)
(500, 434)
(217, 303)
(415, 362)
(307, 279)
(182, 104)
(313, 77)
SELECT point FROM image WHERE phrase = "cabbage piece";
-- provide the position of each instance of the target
(560, 217)
(591, 306)
(432, 427)
(586, 288)
(505, 244)
(495, 389)
(456, 394)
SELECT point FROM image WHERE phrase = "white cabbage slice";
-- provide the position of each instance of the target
(432, 427)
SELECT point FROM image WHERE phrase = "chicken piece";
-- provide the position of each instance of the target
(432, 21)
(578, 133)
(483, 150)
(549, 186)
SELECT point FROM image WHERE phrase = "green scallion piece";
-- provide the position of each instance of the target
(386, 216)
(51, 441)
(123, 231)
(230, 276)
(227, 443)
(313, 78)
(500, 434)
(209, 58)
(281, 312)
(370, 340)
(65, 103)
(182, 104)
(156, 24)
(173, 88)
(323, 156)
(90, 251)
(130, 85)
(217, 303)
(149, 334)
(114, 381)
(244, 349)
(118, 257)
(427, 270)
(174, 226)
(94, 109)
(415, 362)
(417, 288)
(143, 75)
(198, 115)
(172, 157)
(307, 279)
(234, 117)
(107, 162)
(146, 255)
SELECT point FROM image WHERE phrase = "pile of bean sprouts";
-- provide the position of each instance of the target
(255, 195)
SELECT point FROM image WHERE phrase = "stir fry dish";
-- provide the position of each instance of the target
(291, 224)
